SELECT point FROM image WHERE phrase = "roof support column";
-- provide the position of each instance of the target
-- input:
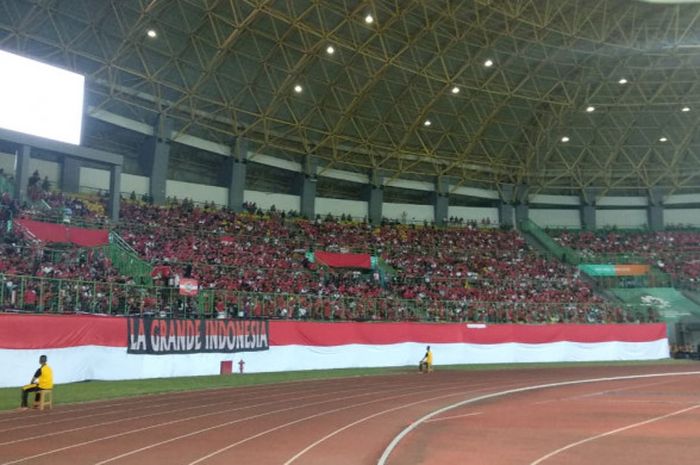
(522, 207)
(655, 210)
(156, 153)
(115, 180)
(22, 172)
(237, 167)
(307, 187)
(375, 197)
(587, 209)
(70, 174)
(441, 200)
(505, 206)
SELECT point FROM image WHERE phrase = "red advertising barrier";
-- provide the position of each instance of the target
(53, 331)
(57, 331)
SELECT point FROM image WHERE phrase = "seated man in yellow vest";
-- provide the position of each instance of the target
(42, 380)
(426, 364)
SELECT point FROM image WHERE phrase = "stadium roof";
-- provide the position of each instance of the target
(556, 94)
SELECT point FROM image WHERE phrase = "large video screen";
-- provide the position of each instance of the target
(39, 99)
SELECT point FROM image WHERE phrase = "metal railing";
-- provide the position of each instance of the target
(47, 295)
(125, 259)
(565, 254)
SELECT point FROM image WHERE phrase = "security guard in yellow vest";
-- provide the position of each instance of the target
(426, 363)
(42, 380)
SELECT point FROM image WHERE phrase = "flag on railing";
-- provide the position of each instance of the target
(189, 287)
(344, 260)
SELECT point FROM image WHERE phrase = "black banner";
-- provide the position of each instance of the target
(168, 336)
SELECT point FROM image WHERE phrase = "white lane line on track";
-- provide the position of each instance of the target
(610, 433)
(14, 417)
(339, 430)
(230, 446)
(110, 412)
(599, 393)
(433, 420)
(414, 391)
(361, 420)
(269, 401)
(316, 415)
(394, 442)
(169, 423)
(149, 415)
(92, 406)
(194, 417)
(174, 396)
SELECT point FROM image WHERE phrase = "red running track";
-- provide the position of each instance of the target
(353, 421)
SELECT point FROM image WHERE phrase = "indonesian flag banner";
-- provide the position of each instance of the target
(189, 287)
(344, 260)
(161, 271)
(81, 347)
(59, 233)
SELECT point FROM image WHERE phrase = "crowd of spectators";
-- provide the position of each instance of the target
(62, 278)
(36, 187)
(458, 274)
(674, 252)
(255, 263)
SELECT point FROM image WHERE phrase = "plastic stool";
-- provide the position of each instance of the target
(45, 399)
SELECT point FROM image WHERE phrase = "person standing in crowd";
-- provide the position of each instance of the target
(42, 380)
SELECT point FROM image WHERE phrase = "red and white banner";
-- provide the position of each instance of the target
(189, 287)
(93, 347)
(59, 233)
(344, 260)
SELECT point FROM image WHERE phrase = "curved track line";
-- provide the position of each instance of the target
(369, 417)
(330, 435)
(392, 445)
(610, 433)
(433, 420)
(299, 420)
(415, 390)
(180, 420)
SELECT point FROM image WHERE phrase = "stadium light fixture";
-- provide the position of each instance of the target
(298, 89)
(662, 139)
(622, 81)
(369, 19)
(565, 139)
(427, 123)
(152, 33)
(590, 109)
(455, 90)
(330, 50)
(488, 63)
(685, 109)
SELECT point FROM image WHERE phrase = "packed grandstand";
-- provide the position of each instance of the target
(261, 264)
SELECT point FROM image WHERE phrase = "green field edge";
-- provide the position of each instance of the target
(91, 391)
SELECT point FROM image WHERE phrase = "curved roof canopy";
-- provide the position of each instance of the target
(556, 94)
